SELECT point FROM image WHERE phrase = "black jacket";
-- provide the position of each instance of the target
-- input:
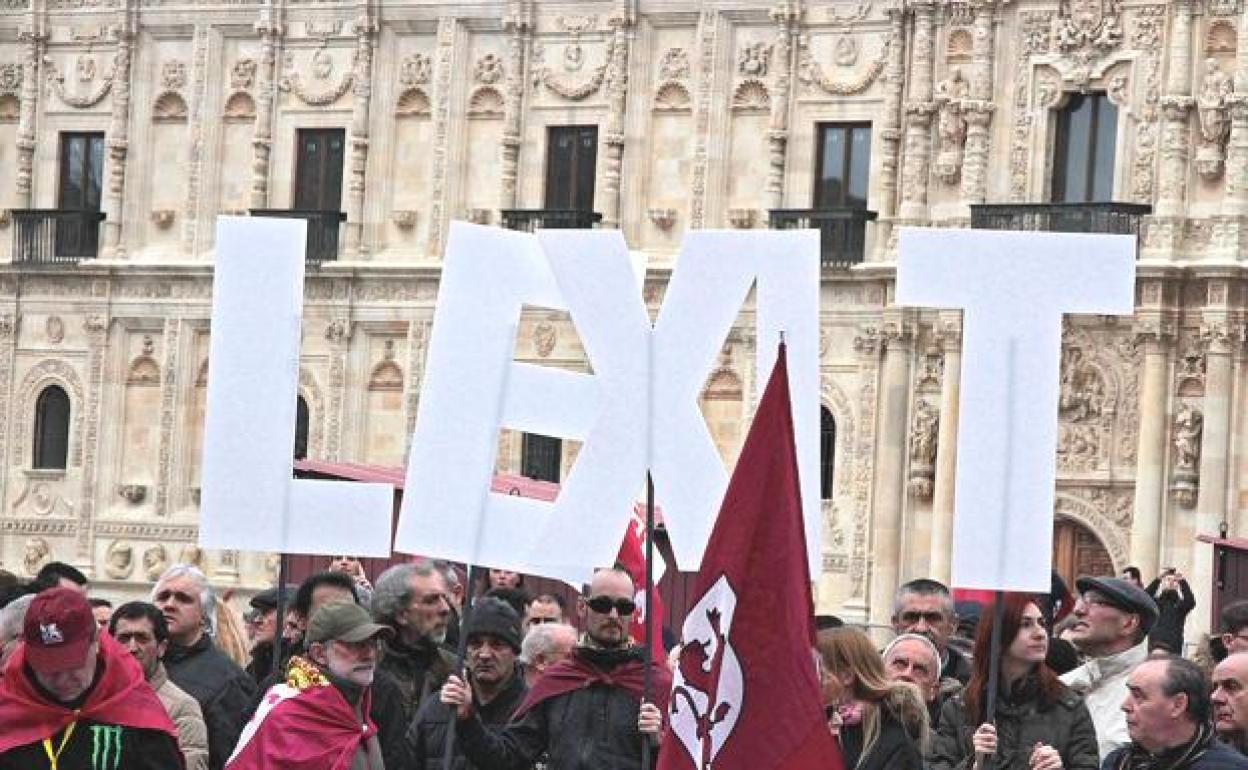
(592, 728)
(1066, 726)
(417, 670)
(956, 666)
(222, 689)
(426, 738)
(1173, 609)
(97, 746)
(893, 750)
(1218, 756)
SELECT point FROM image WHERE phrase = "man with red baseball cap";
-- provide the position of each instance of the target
(72, 699)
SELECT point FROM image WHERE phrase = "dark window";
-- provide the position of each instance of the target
(301, 428)
(571, 154)
(843, 165)
(51, 428)
(540, 456)
(1083, 162)
(827, 452)
(318, 169)
(82, 168)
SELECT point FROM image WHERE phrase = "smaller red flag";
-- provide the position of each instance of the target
(746, 695)
(649, 608)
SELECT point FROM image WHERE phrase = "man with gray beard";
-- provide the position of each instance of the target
(412, 600)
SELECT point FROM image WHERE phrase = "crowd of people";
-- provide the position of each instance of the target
(342, 673)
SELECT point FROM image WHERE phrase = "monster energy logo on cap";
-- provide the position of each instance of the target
(105, 743)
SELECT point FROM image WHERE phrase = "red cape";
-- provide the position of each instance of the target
(310, 729)
(121, 696)
(573, 673)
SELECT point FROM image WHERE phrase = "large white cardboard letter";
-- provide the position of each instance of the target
(1014, 288)
(249, 499)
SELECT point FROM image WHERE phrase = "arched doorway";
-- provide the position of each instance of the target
(1078, 551)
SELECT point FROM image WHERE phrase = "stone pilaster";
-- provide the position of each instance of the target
(170, 384)
(622, 19)
(890, 472)
(362, 97)
(449, 33)
(118, 141)
(920, 106)
(518, 23)
(270, 30)
(1176, 106)
(1211, 502)
(950, 333)
(8, 347)
(1155, 334)
(195, 160)
(96, 328)
(34, 39)
(786, 15)
(890, 126)
(708, 51)
(978, 109)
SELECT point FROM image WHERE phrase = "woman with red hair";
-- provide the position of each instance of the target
(1039, 724)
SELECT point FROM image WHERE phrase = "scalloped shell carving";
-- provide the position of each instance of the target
(960, 46)
(240, 106)
(413, 101)
(1221, 38)
(486, 102)
(169, 106)
(751, 95)
(672, 97)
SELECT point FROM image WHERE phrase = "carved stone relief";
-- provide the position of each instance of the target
(1213, 110)
(321, 69)
(415, 70)
(811, 74)
(1187, 431)
(951, 125)
(674, 65)
(489, 69)
(55, 329)
(35, 554)
(86, 74)
(119, 560)
(754, 60)
(243, 74)
(923, 430)
(565, 85)
(155, 562)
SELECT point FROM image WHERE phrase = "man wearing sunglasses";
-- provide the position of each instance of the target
(586, 712)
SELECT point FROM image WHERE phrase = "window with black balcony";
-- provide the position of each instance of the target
(71, 231)
(571, 167)
(1083, 151)
(319, 158)
(540, 457)
(842, 179)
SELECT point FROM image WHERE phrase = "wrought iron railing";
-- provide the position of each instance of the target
(323, 227)
(549, 219)
(842, 231)
(55, 236)
(1112, 218)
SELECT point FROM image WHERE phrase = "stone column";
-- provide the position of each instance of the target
(517, 23)
(362, 96)
(1150, 475)
(270, 31)
(978, 108)
(919, 108)
(786, 15)
(118, 141)
(8, 348)
(1176, 105)
(1211, 500)
(890, 471)
(950, 333)
(1235, 200)
(33, 39)
(890, 126)
(621, 21)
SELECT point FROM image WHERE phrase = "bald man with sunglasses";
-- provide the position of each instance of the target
(585, 712)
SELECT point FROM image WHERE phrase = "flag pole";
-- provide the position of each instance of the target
(985, 761)
(448, 748)
(647, 653)
(279, 622)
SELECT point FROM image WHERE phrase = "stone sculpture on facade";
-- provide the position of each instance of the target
(155, 561)
(923, 431)
(1188, 427)
(1213, 109)
(951, 125)
(36, 553)
(119, 560)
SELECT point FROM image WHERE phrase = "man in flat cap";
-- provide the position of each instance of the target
(1112, 620)
(318, 717)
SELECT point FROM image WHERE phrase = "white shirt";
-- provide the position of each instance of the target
(1103, 684)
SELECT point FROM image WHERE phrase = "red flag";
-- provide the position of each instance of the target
(746, 695)
(649, 608)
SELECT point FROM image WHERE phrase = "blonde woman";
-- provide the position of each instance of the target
(881, 724)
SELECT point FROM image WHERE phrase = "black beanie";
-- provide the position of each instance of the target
(495, 617)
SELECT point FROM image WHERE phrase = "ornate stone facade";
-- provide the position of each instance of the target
(707, 118)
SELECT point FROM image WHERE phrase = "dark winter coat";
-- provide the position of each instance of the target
(417, 670)
(222, 689)
(895, 749)
(1021, 724)
(426, 738)
(1218, 756)
(956, 666)
(1173, 609)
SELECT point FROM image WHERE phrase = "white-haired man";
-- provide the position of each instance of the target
(545, 645)
(913, 658)
(194, 663)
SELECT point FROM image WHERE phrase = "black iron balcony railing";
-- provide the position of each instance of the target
(1112, 218)
(323, 229)
(842, 231)
(55, 236)
(529, 220)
